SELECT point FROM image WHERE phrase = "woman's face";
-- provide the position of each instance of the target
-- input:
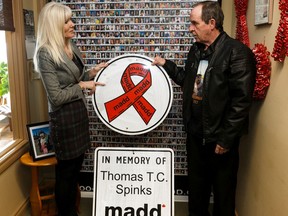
(69, 29)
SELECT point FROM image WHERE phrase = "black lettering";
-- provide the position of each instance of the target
(113, 211)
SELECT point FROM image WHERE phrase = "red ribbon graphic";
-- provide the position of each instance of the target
(133, 94)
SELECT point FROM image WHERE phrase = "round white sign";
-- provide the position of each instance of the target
(136, 97)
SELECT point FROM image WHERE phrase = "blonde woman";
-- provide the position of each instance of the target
(64, 77)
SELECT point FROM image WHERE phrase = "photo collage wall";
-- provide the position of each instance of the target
(109, 28)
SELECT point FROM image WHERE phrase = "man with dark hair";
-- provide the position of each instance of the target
(215, 121)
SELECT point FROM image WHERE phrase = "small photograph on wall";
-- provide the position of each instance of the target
(39, 138)
(263, 12)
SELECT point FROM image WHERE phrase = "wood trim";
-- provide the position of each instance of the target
(18, 83)
(16, 56)
(24, 209)
(12, 154)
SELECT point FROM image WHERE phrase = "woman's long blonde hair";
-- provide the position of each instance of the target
(50, 32)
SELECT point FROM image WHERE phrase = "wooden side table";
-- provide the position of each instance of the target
(35, 195)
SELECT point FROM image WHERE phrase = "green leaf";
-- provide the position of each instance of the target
(4, 82)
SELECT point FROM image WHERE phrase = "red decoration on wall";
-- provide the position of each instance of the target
(263, 71)
(280, 50)
(241, 28)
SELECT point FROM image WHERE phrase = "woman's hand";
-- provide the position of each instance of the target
(90, 86)
(96, 69)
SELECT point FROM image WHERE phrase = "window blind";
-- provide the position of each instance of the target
(6, 15)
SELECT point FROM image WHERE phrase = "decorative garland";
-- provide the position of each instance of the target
(263, 62)
(263, 66)
(241, 28)
(280, 50)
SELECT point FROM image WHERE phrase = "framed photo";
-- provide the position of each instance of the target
(39, 138)
(263, 12)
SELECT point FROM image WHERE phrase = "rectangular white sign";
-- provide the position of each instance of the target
(133, 182)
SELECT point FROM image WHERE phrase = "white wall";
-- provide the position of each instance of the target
(263, 175)
(15, 187)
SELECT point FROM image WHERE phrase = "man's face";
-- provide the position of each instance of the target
(199, 29)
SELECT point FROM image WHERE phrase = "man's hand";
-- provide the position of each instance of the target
(159, 61)
(220, 150)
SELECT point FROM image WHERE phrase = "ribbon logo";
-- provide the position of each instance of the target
(133, 95)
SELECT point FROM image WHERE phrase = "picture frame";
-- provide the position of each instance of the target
(263, 12)
(39, 139)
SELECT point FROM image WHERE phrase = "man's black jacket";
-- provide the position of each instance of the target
(227, 88)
